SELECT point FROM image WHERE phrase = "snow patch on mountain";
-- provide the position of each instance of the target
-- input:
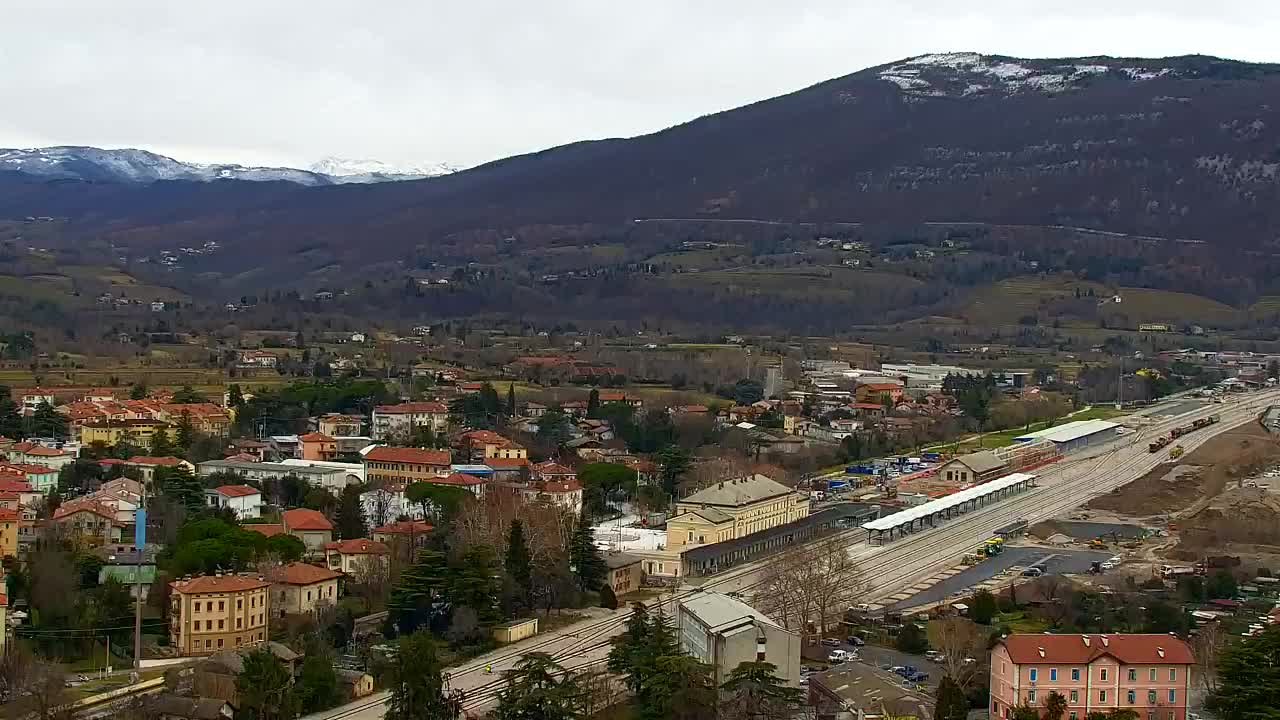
(967, 73)
(346, 167)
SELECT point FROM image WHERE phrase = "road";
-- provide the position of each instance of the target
(888, 568)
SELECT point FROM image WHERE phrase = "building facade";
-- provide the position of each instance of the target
(397, 421)
(1149, 674)
(724, 632)
(401, 465)
(299, 588)
(732, 509)
(210, 613)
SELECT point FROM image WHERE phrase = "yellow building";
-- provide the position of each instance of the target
(10, 519)
(209, 613)
(300, 588)
(111, 432)
(401, 465)
(732, 509)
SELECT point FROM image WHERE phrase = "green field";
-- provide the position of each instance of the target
(835, 283)
(1007, 301)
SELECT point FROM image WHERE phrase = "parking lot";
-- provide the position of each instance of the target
(1051, 560)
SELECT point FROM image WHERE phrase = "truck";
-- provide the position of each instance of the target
(1173, 571)
(1175, 452)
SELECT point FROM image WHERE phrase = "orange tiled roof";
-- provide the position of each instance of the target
(409, 455)
(300, 573)
(458, 479)
(237, 490)
(215, 584)
(305, 519)
(268, 529)
(506, 463)
(404, 527)
(164, 460)
(426, 407)
(357, 546)
(315, 437)
(71, 507)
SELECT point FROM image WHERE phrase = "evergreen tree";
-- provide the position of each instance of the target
(518, 561)
(10, 418)
(46, 422)
(608, 599)
(679, 688)
(951, 701)
(511, 399)
(265, 688)
(350, 515)
(1249, 678)
(235, 397)
(588, 566)
(187, 395)
(673, 461)
(160, 445)
(417, 683)
(138, 391)
(489, 401)
(317, 683)
(754, 690)
(412, 598)
(593, 404)
(627, 651)
(911, 639)
(1055, 706)
(983, 607)
(186, 433)
(539, 688)
(554, 429)
(475, 584)
(178, 484)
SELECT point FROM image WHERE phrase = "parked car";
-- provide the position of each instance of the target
(839, 656)
(906, 670)
(855, 641)
(1033, 572)
(934, 656)
(897, 669)
(831, 642)
(917, 677)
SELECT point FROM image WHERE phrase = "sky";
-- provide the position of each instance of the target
(419, 82)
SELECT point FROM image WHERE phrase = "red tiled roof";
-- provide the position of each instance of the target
(162, 460)
(268, 529)
(72, 507)
(105, 462)
(300, 573)
(27, 448)
(305, 519)
(868, 406)
(412, 407)
(357, 546)
(11, 484)
(457, 479)
(215, 584)
(551, 467)
(33, 469)
(237, 490)
(484, 436)
(881, 386)
(409, 455)
(506, 463)
(8, 515)
(692, 408)
(612, 396)
(1132, 649)
(404, 527)
(315, 437)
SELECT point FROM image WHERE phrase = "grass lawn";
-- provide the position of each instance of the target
(1020, 622)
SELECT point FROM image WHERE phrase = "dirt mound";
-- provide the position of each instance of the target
(1246, 516)
(1200, 474)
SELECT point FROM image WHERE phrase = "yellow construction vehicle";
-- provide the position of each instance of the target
(1176, 452)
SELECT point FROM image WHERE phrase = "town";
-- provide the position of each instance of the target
(883, 539)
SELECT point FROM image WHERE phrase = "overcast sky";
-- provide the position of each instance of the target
(423, 81)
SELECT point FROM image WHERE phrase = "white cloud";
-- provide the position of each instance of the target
(286, 81)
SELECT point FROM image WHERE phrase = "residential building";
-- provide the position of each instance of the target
(335, 424)
(878, 392)
(210, 613)
(398, 421)
(216, 676)
(245, 501)
(138, 432)
(354, 684)
(732, 509)
(43, 479)
(309, 526)
(974, 468)
(353, 556)
(257, 358)
(207, 418)
(147, 464)
(470, 483)
(510, 469)
(724, 632)
(565, 494)
(332, 476)
(126, 564)
(857, 690)
(1149, 674)
(87, 519)
(299, 588)
(382, 505)
(29, 453)
(625, 574)
(412, 532)
(9, 521)
(480, 445)
(318, 446)
(176, 707)
(404, 465)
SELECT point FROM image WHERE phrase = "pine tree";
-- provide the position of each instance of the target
(412, 599)
(178, 484)
(511, 399)
(593, 404)
(138, 391)
(539, 688)
(754, 690)
(417, 683)
(350, 516)
(679, 687)
(608, 599)
(625, 656)
(160, 445)
(46, 422)
(186, 433)
(235, 397)
(518, 562)
(584, 557)
(952, 703)
(10, 418)
(474, 583)
(317, 686)
(265, 688)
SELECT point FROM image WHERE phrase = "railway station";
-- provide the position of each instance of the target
(718, 557)
(930, 514)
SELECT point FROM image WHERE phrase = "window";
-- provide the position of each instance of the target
(1133, 675)
(208, 644)
(308, 595)
(220, 623)
(1031, 697)
(219, 642)
(1053, 674)
(1075, 674)
(1173, 695)
(259, 636)
(1102, 674)
(1151, 697)
(239, 604)
(995, 708)
(239, 622)
(1152, 675)
(221, 606)
(1034, 673)
(1131, 697)
(1075, 696)
(1102, 696)
(253, 602)
(1173, 674)
(208, 624)
(208, 607)
(1071, 716)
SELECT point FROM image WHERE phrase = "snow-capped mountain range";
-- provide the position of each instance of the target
(72, 162)
(968, 73)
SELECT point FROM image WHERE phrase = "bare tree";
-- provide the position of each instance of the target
(814, 583)
(43, 693)
(1208, 644)
(960, 642)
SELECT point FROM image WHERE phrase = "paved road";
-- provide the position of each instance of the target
(1052, 561)
(888, 569)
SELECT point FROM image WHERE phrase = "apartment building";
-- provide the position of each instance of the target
(401, 465)
(299, 588)
(396, 421)
(1149, 674)
(209, 613)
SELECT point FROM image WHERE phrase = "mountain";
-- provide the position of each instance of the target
(1185, 148)
(70, 162)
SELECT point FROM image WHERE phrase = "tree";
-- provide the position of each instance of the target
(413, 600)
(416, 682)
(1221, 585)
(673, 461)
(475, 583)
(317, 683)
(554, 429)
(1249, 678)
(511, 399)
(439, 502)
(960, 642)
(265, 687)
(10, 418)
(814, 582)
(187, 396)
(604, 484)
(287, 548)
(518, 564)
(178, 484)
(235, 397)
(350, 516)
(593, 404)
(584, 557)
(753, 690)
(608, 599)
(1208, 644)
(46, 422)
(186, 432)
(625, 656)
(138, 391)
(951, 701)
(983, 607)
(538, 688)
(678, 687)
(1055, 706)
(160, 445)
(747, 391)
(911, 639)
(1025, 712)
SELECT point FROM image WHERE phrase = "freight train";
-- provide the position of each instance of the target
(1163, 441)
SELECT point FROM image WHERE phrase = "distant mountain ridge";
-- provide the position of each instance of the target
(130, 165)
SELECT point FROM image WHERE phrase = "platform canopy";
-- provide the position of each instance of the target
(943, 504)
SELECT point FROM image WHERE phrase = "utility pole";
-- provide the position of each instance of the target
(1120, 386)
(140, 543)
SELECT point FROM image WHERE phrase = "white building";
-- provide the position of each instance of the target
(243, 500)
(724, 632)
(391, 421)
